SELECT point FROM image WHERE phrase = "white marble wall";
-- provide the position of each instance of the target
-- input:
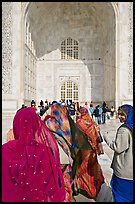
(126, 51)
(107, 33)
(89, 80)
(12, 65)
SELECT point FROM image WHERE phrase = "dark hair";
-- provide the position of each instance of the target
(23, 106)
(54, 102)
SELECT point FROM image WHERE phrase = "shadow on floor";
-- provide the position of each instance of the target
(105, 195)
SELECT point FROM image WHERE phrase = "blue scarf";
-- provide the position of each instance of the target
(128, 111)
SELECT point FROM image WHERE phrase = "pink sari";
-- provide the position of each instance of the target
(31, 170)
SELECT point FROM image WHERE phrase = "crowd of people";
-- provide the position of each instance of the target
(51, 153)
(100, 113)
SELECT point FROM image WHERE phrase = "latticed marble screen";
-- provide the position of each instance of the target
(69, 49)
(30, 66)
(69, 91)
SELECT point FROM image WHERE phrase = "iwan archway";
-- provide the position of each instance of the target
(74, 41)
(46, 45)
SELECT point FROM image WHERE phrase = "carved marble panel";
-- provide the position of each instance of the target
(130, 48)
(7, 47)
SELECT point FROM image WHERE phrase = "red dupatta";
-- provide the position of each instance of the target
(87, 125)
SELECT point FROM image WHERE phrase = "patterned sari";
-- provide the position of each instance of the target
(58, 123)
(89, 173)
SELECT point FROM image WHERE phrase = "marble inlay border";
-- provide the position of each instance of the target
(7, 47)
(130, 48)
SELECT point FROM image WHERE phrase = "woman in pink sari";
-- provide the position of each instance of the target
(31, 170)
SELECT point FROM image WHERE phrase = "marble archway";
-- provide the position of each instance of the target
(110, 25)
(100, 25)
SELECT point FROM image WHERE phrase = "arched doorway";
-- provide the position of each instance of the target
(104, 35)
(69, 91)
(97, 59)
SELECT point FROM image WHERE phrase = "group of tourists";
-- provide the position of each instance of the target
(101, 112)
(52, 157)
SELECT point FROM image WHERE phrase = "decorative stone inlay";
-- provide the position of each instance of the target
(6, 47)
(67, 78)
(130, 48)
(30, 74)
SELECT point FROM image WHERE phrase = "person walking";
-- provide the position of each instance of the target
(122, 163)
(89, 173)
(96, 113)
(91, 110)
(104, 112)
(41, 103)
(58, 123)
(112, 111)
(31, 170)
(33, 103)
(100, 115)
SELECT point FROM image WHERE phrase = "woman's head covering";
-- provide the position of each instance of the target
(127, 110)
(88, 126)
(31, 169)
(83, 110)
(59, 123)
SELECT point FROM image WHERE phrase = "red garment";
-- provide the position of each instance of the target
(34, 107)
(87, 125)
(31, 169)
(89, 172)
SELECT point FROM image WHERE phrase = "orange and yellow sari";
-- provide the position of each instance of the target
(89, 172)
